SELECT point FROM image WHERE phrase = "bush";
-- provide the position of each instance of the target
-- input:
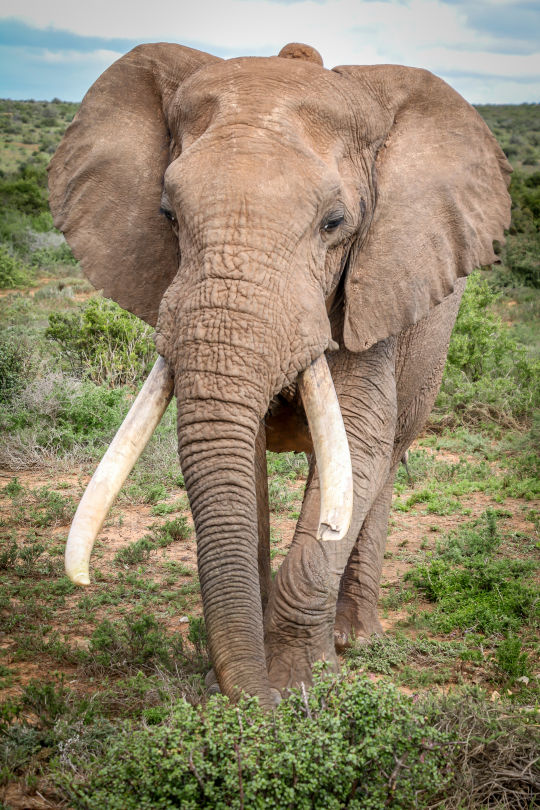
(138, 643)
(26, 191)
(56, 414)
(521, 257)
(488, 376)
(512, 660)
(471, 587)
(14, 367)
(53, 254)
(12, 271)
(104, 342)
(346, 743)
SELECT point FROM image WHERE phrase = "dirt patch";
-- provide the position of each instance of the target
(174, 567)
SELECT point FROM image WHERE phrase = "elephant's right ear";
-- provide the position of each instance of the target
(106, 177)
(442, 199)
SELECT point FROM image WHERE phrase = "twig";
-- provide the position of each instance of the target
(305, 699)
(239, 758)
(400, 763)
(194, 771)
(240, 782)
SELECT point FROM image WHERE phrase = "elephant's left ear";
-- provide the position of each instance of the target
(442, 200)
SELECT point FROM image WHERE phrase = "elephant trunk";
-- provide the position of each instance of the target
(217, 451)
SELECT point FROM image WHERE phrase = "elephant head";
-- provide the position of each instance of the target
(261, 212)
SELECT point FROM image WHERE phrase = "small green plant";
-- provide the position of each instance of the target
(14, 489)
(172, 531)
(280, 495)
(512, 660)
(139, 642)
(155, 493)
(197, 634)
(136, 552)
(8, 554)
(41, 508)
(162, 535)
(46, 700)
(471, 587)
(161, 509)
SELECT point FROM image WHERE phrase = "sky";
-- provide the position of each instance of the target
(489, 50)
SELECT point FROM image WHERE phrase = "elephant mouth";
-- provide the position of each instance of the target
(329, 442)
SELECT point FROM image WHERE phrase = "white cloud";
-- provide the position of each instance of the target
(101, 58)
(255, 24)
(424, 33)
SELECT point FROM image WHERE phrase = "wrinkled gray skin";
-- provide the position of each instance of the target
(301, 205)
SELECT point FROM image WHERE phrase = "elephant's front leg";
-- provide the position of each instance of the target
(300, 616)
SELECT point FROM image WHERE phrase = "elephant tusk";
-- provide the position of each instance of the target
(331, 449)
(131, 438)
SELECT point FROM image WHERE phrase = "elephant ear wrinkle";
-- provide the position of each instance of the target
(297, 50)
(442, 200)
(106, 177)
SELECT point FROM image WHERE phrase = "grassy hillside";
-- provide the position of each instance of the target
(102, 698)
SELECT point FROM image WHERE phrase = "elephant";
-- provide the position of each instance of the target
(300, 239)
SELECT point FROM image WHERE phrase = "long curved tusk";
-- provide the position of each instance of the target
(126, 447)
(331, 449)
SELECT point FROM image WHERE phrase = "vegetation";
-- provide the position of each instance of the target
(104, 343)
(120, 717)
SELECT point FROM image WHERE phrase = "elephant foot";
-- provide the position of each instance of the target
(289, 668)
(211, 683)
(355, 627)
(213, 688)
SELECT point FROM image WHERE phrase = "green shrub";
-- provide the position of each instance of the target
(79, 411)
(26, 190)
(15, 363)
(521, 254)
(511, 659)
(17, 230)
(52, 255)
(56, 414)
(280, 495)
(488, 376)
(287, 465)
(46, 700)
(346, 743)
(169, 532)
(471, 587)
(139, 642)
(137, 552)
(12, 271)
(104, 342)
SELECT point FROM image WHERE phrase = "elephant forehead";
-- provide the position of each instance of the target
(268, 92)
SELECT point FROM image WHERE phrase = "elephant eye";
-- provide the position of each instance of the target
(169, 214)
(332, 223)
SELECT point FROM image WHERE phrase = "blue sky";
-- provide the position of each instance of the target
(488, 50)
